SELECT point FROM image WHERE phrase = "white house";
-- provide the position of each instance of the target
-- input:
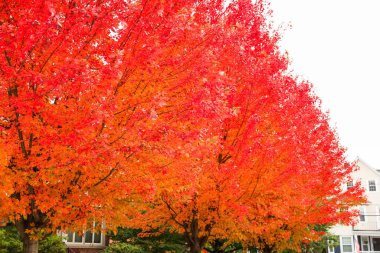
(365, 235)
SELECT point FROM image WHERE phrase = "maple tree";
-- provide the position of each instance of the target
(298, 191)
(262, 164)
(178, 113)
(82, 84)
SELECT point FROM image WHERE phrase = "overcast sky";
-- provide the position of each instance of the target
(335, 44)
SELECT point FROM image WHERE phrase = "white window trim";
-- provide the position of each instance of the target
(376, 186)
(84, 243)
(361, 242)
(352, 182)
(341, 244)
(364, 214)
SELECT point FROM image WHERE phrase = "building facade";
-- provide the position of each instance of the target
(364, 237)
(86, 242)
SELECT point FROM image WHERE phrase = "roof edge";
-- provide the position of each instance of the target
(359, 159)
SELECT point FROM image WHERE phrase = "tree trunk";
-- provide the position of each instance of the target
(195, 242)
(195, 248)
(267, 249)
(30, 245)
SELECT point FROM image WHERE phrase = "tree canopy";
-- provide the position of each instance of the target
(161, 114)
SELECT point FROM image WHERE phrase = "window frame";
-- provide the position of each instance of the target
(362, 214)
(345, 244)
(372, 185)
(362, 244)
(349, 184)
(83, 236)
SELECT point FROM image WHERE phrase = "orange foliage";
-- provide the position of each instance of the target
(253, 159)
(177, 114)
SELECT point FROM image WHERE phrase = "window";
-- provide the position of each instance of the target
(362, 213)
(74, 238)
(86, 237)
(365, 243)
(346, 243)
(350, 185)
(372, 185)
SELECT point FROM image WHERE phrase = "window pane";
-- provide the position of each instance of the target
(365, 247)
(78, 238)
(97, 237)
(88, 237)
(347, 248)
(372, 185)
(70, 237)
(346, 240)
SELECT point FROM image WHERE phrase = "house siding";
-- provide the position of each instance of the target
(370, 226)
(84, 250)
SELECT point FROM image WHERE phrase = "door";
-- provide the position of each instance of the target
(376, 243)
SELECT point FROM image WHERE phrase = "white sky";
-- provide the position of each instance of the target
(335, 44)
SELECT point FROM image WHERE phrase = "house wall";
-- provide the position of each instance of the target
(371, 211)
(83, 250)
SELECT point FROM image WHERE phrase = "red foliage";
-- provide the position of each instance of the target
(181, 109)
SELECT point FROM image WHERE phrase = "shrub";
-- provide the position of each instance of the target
(52, 244)
(9, 240)
(123, 248)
